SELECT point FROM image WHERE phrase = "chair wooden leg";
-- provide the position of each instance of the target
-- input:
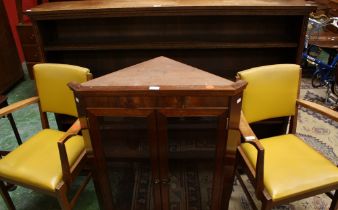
(245, 190)
(266, 205)
(4, 103)
(15, 130)
(266, 201)
(6, 197)
(82, 187)
(63, 200)
(334, 203)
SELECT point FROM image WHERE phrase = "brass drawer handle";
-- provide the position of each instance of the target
(156, 181)
(162, 181)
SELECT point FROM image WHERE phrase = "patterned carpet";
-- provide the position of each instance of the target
(317, 130)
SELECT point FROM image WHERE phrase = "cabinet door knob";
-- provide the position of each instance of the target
(165, 181)
(156, 181)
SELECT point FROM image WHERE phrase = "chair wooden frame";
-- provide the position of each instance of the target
(256, 174)
(4, 103)
(68, 173)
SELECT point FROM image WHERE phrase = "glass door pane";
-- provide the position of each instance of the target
(127, 146)
(191, 141)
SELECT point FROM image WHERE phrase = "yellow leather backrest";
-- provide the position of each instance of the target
(271, 91)
(51, 83)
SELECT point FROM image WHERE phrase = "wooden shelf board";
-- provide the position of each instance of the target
(173, 45)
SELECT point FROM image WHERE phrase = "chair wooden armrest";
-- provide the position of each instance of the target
(75, 128)
(250, 137)
(4, 153)
(18, 105)
(318, 108)
(66, 169)
(246, 130)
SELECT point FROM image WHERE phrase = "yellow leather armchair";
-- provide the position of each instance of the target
(281, 168)
(50, 160)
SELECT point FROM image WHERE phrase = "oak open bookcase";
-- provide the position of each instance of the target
(162, 135)
(220, 36)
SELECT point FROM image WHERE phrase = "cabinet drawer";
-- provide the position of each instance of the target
(192, 101)
(159, 101)
(32, 53)
(26, 34)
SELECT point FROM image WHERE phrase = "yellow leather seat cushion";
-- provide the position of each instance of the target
(37, 161)
(292, 167)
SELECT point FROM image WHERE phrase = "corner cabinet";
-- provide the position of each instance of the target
(161, 135)
(223, 37)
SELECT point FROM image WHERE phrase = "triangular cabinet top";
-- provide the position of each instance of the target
(160, 74)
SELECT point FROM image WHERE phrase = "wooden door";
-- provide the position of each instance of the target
(192, 143)
(124, 163)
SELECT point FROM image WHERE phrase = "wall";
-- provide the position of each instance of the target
(13, 19)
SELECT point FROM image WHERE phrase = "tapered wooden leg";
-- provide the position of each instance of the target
(15, 130)
(239, 162)
(266, 205)
(6, 197)
(63, 200)
(245, 190)
(334, 203)
(4, 103)
(10, 186)
(266, 201)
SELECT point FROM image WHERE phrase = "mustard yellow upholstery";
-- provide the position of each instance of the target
(37, 161)
(292, 167)
(271, 91)
(54, 94)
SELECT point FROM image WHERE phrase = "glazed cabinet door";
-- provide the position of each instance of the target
(125, 162)
(191, 147)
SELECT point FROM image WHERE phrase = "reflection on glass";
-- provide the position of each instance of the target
(126, 143)
(192, 143)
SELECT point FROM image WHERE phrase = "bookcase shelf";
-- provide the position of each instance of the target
(106, 36)
(165, 45)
